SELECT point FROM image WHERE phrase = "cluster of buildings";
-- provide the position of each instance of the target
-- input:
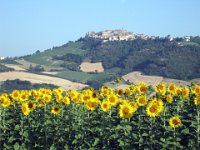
(116, 35)
(185, 38)
(120, 35)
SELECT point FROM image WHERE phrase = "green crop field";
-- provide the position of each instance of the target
(83, 76)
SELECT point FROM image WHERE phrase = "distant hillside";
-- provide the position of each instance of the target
(173, 58)
(3, 68)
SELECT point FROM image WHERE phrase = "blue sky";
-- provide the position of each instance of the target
(30, 25)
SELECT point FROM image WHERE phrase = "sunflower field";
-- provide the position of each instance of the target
(138, 117)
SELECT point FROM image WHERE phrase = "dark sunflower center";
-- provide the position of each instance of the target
(126, 111)
(56, 109)
(175, 122)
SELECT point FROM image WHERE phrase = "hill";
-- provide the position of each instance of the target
(176, 58)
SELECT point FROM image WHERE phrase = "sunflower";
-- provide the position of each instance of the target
(73, 95)
(107, 91)
(48, 92)
(34, 93)
(196, 90)
(66, 100)
(154, 108)
(161, 88)
(128, 91)
(104, 90)
(87, 92)
(178, 91)
(15, 94)
(197, 101)
(59, 98)
(125, 110)
(119, 92)
(57, 91)
(47, 98)
(142, 88)
(175, 121)
(113, 100)
(25, 109)
(95, 94)
(85, 97)
(185, 92)
(171, 88)
(5, 101)
(55, 110)
(42, 91)
(60, 90)
(134, 105)
(141, 100)
(24, 96)
(31, 106)
(105, 106)
(169, 98)
(41, 102)
(92, 104)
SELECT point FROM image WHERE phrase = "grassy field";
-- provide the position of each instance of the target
(83, 76)
(45, 58)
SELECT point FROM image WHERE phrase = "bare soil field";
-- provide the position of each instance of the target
(177, 82)
(91, 67)
(196, 80)
(34, 78)
(137, 77)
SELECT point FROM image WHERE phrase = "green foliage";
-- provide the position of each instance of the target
(37, 68)
(69, 57)
(11, 85)
(152, 57)
(5, 69)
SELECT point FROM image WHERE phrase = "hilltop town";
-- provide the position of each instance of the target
(124, 35)
(116, 35)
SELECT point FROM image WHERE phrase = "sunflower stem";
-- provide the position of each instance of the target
(151, 132)
(22, 128)
(139, 119)
(164, 121)
(62, 125)
(0, 114)
(174, 139)
(45, 131)
(125, 133)
(198, 121)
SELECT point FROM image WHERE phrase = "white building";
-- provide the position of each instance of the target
(187, 38)
(2, 58)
